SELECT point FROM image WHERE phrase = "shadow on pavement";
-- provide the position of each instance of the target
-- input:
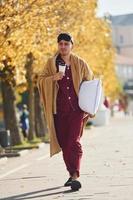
(27, 196)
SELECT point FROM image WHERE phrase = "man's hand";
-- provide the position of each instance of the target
(58, 76)
(91, 116)
(88, 115)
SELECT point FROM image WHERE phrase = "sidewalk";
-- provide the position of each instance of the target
(106, 170)
(109, 156)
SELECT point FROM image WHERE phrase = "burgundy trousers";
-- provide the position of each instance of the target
(69, 127)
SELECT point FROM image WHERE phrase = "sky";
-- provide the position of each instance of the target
(114, 7)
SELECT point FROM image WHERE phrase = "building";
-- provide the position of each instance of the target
(124, 68)
(122, 34)
(122, 30)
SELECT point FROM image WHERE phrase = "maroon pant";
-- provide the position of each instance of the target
(68, 129)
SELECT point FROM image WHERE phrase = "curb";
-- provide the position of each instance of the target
(36, 146)
(3, 160)
(5, 157)
(9, 155)
(14, 154)
(24, 148)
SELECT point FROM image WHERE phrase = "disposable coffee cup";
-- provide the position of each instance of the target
(62, 68)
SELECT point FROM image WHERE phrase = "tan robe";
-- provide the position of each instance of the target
(48, 90)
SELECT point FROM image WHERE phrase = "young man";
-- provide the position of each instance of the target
(59, 95)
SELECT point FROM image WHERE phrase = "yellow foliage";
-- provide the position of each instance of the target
(33, 26)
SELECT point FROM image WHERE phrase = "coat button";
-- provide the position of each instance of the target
(67, 78)
(69, 98)
(67, 88)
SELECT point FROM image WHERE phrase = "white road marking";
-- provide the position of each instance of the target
(14, 170)
(43, 157)
(23, 152)
(22, 167)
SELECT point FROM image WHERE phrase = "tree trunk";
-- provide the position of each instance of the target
(29, 76)
(10, 115)
(40, 122)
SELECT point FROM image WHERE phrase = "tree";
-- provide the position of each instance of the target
(29, 77)
(25, 30)
(10, 116)
(40, 121)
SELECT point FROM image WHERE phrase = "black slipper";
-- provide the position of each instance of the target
(68, 183)
(75, 185)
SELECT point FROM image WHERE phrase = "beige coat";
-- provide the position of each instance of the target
(48, 90)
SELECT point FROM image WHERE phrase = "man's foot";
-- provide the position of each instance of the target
(75, 185)
(68, 183)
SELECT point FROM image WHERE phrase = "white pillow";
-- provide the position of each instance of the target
(90, 93)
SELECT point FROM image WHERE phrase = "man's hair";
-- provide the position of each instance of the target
(65, 36)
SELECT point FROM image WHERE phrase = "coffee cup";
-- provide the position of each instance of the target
(62, 68)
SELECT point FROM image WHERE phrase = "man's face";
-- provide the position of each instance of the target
(64, 47)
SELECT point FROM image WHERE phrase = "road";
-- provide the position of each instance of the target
(106, 170)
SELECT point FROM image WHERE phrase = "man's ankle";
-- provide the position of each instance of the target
(74, 177)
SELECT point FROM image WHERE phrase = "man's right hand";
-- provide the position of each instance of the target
(58, 76)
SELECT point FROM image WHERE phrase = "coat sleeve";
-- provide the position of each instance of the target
(46, 90)
(45, 87)
(87, 73)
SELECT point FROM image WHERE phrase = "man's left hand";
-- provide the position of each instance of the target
(89, 115)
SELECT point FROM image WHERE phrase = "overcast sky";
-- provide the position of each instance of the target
(114, 7)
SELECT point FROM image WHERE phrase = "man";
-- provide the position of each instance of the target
(59, 95)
